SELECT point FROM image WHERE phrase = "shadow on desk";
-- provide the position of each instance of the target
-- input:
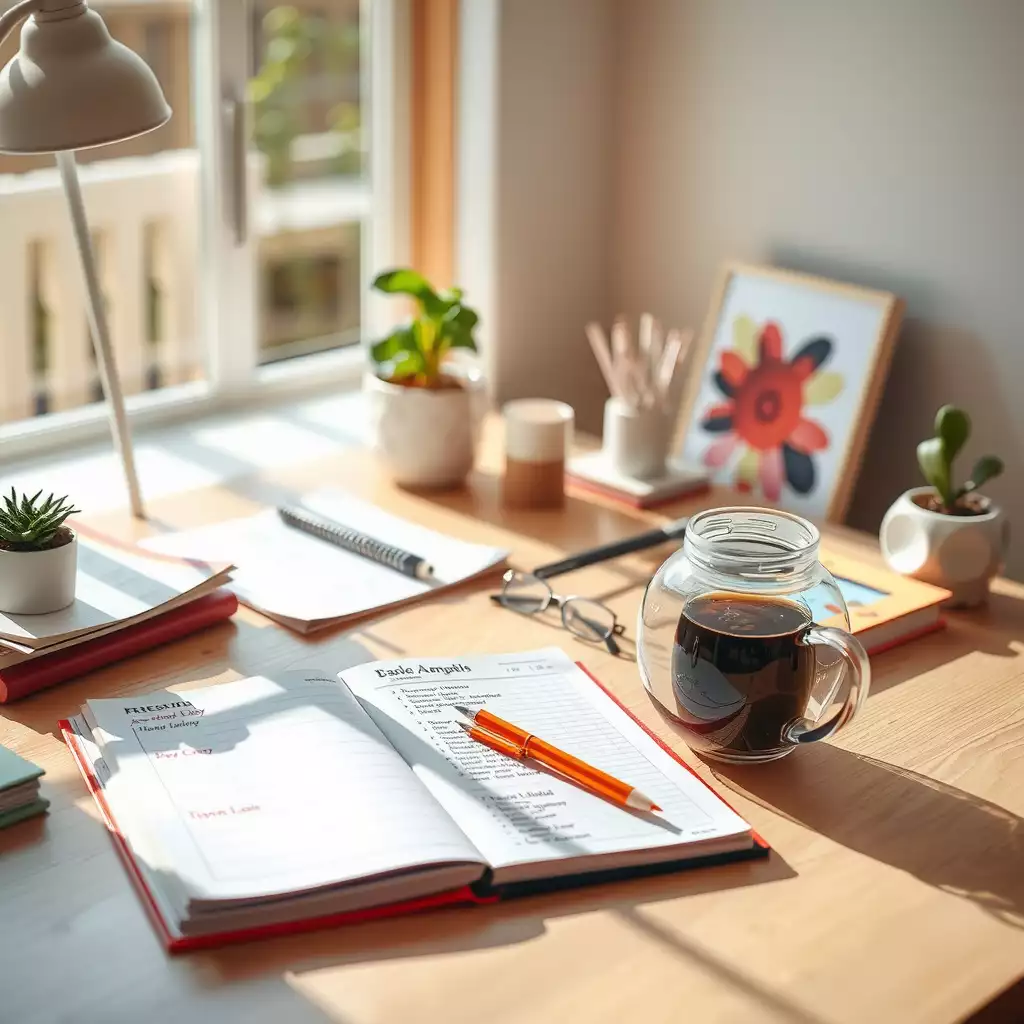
(518, 922)
(944, 837)
(985, 630)
(473, 928)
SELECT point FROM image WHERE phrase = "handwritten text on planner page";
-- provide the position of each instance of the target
(421, 670)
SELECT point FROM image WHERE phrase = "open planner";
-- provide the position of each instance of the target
(292, 801)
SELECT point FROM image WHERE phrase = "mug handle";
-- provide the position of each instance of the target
(858, 671)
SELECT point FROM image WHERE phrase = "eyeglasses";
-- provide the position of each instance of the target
(589, 620)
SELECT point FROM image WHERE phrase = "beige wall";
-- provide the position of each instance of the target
(552, 198)
(879, 142)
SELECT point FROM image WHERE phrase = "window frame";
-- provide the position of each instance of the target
(228, 292)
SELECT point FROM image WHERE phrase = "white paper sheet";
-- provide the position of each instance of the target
(301, 579)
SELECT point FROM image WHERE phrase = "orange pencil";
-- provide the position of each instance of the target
(512, 741)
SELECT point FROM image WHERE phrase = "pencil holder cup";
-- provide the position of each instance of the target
(636, 440)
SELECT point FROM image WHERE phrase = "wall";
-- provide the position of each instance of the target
(877, 142)
(552, 198)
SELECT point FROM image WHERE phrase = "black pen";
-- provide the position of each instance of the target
(650, 539)
(357, 542)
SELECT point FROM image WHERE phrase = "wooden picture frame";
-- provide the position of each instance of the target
(775, 343)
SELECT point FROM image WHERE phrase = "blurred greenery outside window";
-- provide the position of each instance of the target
(306, 93)
(306, 100)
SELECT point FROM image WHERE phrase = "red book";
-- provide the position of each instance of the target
(38, 673)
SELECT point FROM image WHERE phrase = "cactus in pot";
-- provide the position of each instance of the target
(38, 553)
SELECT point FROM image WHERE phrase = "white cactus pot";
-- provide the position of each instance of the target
(960, 553)
(37, 582)
(426, 438)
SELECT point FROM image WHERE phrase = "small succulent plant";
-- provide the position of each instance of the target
(31, 524)
(413, 355)
(935, 457)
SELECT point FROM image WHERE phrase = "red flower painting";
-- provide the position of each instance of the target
(765, 397)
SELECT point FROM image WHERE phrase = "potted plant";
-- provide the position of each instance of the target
(426, 417)
(38, 554)
(949, 535)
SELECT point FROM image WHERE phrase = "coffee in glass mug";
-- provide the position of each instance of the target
(727, 644)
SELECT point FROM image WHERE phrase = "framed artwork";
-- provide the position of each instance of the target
(784, 386)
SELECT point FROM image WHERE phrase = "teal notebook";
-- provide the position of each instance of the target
(19, 789)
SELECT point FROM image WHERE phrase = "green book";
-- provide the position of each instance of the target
(37, 806)
(19, 788)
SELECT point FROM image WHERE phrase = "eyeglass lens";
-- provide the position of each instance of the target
(588, 619)
(526, 594)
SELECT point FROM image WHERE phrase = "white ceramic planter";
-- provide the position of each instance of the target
(960, 553)
(37, 582)
(426, 438)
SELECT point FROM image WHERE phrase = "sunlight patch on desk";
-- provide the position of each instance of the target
(265, 441)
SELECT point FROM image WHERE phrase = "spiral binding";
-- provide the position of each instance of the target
(352, 540)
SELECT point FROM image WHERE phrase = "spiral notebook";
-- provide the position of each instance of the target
(306, 583)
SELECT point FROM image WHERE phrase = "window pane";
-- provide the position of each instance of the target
(313, 198)
(142, 200)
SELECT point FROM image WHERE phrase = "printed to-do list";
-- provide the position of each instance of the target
(514, 811)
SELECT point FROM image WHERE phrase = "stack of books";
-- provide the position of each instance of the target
(126, 601)
(19, 789)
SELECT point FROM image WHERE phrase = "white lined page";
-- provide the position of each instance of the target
(515, 813)
(289, 574)
(266, 786)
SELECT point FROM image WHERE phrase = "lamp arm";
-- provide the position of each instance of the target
(10, 20)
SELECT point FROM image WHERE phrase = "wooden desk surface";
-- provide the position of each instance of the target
(895, 892)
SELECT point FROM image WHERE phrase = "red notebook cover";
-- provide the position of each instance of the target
(39, 673)
(464, 896)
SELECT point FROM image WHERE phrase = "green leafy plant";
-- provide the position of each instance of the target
(34, 525)
(935, 457)
(413, 354)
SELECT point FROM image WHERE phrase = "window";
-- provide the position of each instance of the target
(240, 234)
(307, 130)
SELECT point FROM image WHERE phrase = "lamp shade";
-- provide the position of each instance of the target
(71, 86)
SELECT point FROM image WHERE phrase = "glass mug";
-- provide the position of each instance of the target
(743, 637)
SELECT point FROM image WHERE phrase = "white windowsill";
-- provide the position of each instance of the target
(203, 452)
(308, 375)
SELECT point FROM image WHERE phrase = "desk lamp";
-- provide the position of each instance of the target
(71, 86)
